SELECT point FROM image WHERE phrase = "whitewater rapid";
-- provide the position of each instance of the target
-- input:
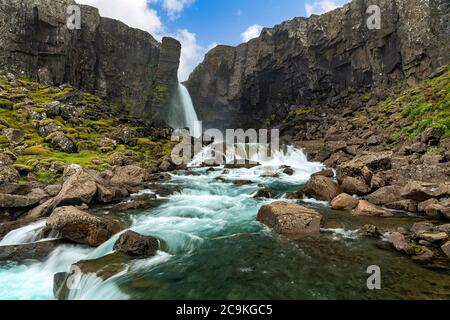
(205, 209)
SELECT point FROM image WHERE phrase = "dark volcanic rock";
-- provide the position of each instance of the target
(320, 60)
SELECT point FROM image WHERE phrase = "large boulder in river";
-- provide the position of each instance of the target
(365, 208)
(22, 201)
(82, 227)
(290, 219)
(322, 188)
(344, 202)
(135, 244)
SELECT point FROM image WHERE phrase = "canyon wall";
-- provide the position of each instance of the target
(321, 61)
(125, 66)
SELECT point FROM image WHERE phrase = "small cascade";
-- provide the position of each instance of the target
(183, 114)
(27, 234)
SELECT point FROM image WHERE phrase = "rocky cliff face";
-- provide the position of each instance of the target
(321, 61)
(104, 57)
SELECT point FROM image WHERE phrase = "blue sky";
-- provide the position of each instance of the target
(201, 24)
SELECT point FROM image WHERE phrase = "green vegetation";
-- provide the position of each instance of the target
(91, 124)
(409, 113)
(300, 112)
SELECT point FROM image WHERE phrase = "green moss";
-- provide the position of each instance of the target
(45, 177)
(36, 150)
(6, 104)
(300, 112)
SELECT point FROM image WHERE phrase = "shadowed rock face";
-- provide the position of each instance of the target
(104, 57)
(321, 61)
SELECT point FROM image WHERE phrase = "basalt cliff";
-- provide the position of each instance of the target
(126, 66)
(321, 62)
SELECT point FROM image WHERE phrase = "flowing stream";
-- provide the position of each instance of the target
(215, 249)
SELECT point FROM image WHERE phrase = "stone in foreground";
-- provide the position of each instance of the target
(82, 227)
(365, 208)
(290, 219)
(344, 202)
(135, 244)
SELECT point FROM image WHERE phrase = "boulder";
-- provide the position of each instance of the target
(384, 195)
(128, 175)
(422, 191)
(62, 143)
(419, 227)
(344, 202)
(403, 205)
(358, 186)
(5, 160)
(166, 166)
(134, 244)
(264, 193)
(365, 208)
(365, 166)
(14, 136)
(400, 243)
(446, 249)
(369, 231)
(143, 201)
(322, 188)
(109, 194)
(242, 164)
(423, 205)
(8, 174)
(290, 219)
(437, 211)
(241, 183)
(288, 170)
(82, 227)
(18, 201)
(329, 173)
(432, 236)
(32, 251)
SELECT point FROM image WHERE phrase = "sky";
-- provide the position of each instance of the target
(202, 24)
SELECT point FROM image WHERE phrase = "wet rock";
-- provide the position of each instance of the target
(287, 218)
(423, 254)
(264, 193)
(80, 187)
(157, 177)
(384, 195)
(82, 227)
(242, 164)
(446, 249)
(240, 183)
(365, 208)
(167, 166)
(400, 243)
(32, 251)
(422, 191)
(322, 188)
(369, 231)
(134, 244)
(270, 175)
(143, 201)
(329, 173)
(14, 136)
(129, 175)
(62, 143)
(358, 186)
(344, 202)
(288, 170)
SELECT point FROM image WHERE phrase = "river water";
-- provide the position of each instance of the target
(215, 249)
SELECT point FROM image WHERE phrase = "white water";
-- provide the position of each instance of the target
(183, 114)
(205, 209)
(27, 234)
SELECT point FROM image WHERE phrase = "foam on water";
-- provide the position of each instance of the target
(26, 234)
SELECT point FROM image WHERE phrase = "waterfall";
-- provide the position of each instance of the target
(183, 113)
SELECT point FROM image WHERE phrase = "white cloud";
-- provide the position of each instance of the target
(191, 53)
(175, 7)
(251, 32)
(322, 6)
(135, 13)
